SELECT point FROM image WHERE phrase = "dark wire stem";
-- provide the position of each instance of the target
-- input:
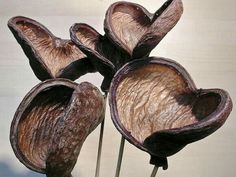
(120, 156)
(154, 171)
(98, 164)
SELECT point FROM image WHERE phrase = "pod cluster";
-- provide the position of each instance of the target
(154, 102)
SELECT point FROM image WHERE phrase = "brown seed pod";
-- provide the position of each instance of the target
(91, 43)
(49, 56)
(52, 122)
(132, 28)
(130, 32)
(156, 106)
(104, 55)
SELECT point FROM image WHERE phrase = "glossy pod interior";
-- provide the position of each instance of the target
(49, 56)
(52, 122)
(156, 106)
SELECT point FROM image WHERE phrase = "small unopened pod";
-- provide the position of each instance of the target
(156, 106)
(49, 56)
(52, 122)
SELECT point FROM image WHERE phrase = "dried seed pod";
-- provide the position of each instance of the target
(49, 56)
(156, 106)
(90, 42)
(52, 122)
(131, 32)
(104, 55)
(132, 28)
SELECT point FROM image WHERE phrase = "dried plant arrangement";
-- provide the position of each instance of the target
(153, 101)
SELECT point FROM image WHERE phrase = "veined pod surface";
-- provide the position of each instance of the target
(96, 46)
(103, 54)
(49, 56)
(52, 122)
(131, 27)
(131, 32)
(156, 106)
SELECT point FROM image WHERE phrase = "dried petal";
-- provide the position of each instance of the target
(156, 106)
(49, 56)
(52, 122)
(132, 28)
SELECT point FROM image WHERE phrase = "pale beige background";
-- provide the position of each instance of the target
(204, 42)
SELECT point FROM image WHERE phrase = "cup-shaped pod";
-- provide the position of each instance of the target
(49, 56)
(104, 55)
(52, 122)
(156, 106)
(131, 27)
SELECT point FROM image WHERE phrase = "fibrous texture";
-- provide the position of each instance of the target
(134, 29)
(52, 122)
(103, 53)
(149, 100)
(154, 102)
(49, 56)
(38, 122)
(131, 32)
(157, 107)
(93, 44)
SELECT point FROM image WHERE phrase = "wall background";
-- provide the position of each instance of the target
(204, 42)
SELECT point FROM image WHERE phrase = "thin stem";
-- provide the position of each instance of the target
(122, 144)
(154, 171)
(99, 149)
(97, 172)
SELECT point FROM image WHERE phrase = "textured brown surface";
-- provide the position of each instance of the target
(46, 52)
(86, 35)
(104, 55)
(157, 107)
(37, 124)
(98, 47)
(52, 122)
(55, 53)
(129, 24)
(195, 42)
(154, 98)
(85, 113)
(136, 30)
(147, 101)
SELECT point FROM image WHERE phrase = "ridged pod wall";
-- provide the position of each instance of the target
(154, 102)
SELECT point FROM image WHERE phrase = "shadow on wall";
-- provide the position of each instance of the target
(6, 171)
